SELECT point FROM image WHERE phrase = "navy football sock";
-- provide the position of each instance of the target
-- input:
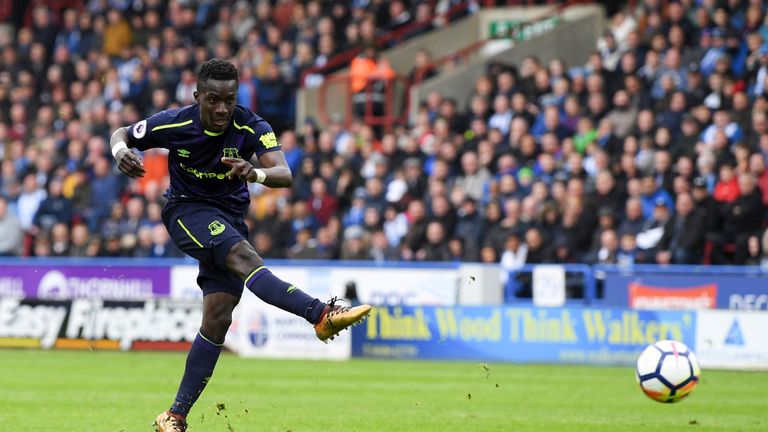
(287, 297)
(201, 360)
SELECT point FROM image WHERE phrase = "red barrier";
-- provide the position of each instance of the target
(388, 119)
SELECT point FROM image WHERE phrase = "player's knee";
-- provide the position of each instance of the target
(242, 259)
(216, 327)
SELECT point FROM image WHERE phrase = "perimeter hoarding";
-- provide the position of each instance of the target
(261, 330)
(375, 285)
(95, 324)
(732, 339)
(518, 334)
(113, 282)
(687, 291)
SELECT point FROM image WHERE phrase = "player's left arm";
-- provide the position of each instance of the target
(274, 171)
(262, 145)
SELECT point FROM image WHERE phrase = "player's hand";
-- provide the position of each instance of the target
(130, 163)
(240, 169)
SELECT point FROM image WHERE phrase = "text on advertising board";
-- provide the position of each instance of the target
(517, 334)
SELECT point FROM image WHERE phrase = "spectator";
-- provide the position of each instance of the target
(469, 226)
(743, 216)
(474, 177)
(722, 123)
(326, 245)
(608, 251)
(381, 250)
(628, 253)
(55, 208)
(321, 204)
(41, 247)
(369, 77)
(727, 187)
(399, 16)
(754, 253)
(606, 195)
(436, 247)
(442, 212)
(117, 34)
(757, 169)
(355, 246)
(11, 240)
(649, 238)
(60, 239)
(415, 237)
(538, 251)
(29, 201)
(80, 239)
(502, 115)
(606, 220)
(396, 226)
(623, 115)
(356, 212)
(105, 189)
(683, 239)
(423, 69)
(652, 195)
(162, 246)
(514, 256)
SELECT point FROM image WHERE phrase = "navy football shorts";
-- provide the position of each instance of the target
(207, 233)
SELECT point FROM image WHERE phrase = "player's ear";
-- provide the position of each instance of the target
(196, 95)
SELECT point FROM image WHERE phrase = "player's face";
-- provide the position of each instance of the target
(217, 102)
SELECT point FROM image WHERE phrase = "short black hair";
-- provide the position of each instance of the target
(216, 69)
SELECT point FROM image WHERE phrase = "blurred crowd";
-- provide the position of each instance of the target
(651, 151)
(72, 71)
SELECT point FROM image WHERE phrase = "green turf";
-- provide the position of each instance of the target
(110, 392)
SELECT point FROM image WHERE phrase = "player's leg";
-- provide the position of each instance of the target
(243, 261)
(191, 233)
(328, 319)
(202, 356)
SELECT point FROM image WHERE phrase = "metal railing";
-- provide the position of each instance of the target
(386, 103)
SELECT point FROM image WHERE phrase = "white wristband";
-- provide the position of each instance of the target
(117, 147)
(260, 175)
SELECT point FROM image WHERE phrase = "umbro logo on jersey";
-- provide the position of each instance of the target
(183, 153)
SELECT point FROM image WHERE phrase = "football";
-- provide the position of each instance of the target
(667, 371)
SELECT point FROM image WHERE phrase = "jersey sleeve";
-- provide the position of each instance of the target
(145, 134)
(265, 139)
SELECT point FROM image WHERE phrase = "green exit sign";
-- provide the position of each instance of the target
(520, 30)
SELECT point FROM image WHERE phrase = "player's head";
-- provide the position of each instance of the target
(217, 83)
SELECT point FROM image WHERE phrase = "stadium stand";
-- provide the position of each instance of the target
(652, 150)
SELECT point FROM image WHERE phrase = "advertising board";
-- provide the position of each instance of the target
(375, 285)
(518, 334)
(261, 330)
(732, 339)
(97, 324)
(113, 282)
(687, 291)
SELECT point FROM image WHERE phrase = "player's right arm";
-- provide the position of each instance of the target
(127, 160)
(142, 135)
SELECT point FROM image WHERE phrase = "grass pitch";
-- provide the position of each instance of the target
(111, 392)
